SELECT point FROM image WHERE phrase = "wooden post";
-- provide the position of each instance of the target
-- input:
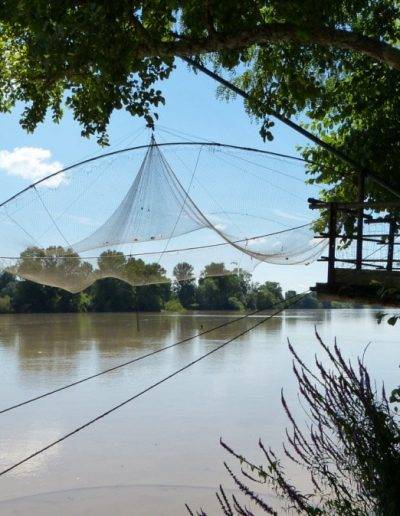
(137, 308)
(332, 242)
(392, 231)
(360, 219)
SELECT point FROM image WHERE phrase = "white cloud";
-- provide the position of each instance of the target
(32, 164)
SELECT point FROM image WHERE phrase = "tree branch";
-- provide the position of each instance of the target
(275, 33)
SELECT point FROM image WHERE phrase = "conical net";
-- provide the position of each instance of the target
(144, 217)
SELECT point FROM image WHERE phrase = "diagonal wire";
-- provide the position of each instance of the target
(182, 207)
(144, 391)
(186, 166)
(51, 217)
(259, 165)
(137, 359)
(261, 178)
(193, 248)
(21, 227)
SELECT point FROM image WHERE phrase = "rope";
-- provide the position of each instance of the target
(144, 391)
(270, 169)
(137, 359)
(51, 217)
(139, 147)
(321, 143)
(181, 249)
(21, 227)
(202, 186)
(261, 178)
(183, 204)
(181, 134)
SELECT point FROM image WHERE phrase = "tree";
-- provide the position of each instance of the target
(184, 286)
(215, 269)
(209, 295)
(6, 278)
(112, 262)
(222, 289)
(268, 295)
(183, 271)
(112, 295)
(350, 449)
(32, 297)
(153, 287)
(5, 304)
(151, 298)
(46, 266)
(297, 57)
(116, 293)
(7, 291)
(290, 293)
(308, 301)
(54, 265)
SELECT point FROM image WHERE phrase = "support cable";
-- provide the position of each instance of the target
(217, 145)
(193, 248)
(51, 217)
(202, 186)
(187, 190)
(144, 391)
(310, 136)
(31, 237)
(141, 357)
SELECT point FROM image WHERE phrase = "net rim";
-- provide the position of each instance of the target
(149, 253)
(142, 147)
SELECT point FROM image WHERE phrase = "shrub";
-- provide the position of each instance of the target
(235, 304)
(174, 305)
(5, 305)
(351, 450)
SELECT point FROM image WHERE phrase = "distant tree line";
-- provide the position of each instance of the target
(217, 289)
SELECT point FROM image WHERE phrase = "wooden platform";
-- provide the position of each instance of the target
(367, 277)
(377, 287)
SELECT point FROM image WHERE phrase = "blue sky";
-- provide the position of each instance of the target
(191, 107)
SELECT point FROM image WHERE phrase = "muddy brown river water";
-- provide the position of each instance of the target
(162, 450)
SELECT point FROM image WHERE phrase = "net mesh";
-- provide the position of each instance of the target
(375, 246)
(221, 211)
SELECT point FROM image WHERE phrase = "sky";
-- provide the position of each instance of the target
(191, 107)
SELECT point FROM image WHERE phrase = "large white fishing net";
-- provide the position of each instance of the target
(135, 214)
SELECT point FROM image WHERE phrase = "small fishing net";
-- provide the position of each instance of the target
(138, 213)
(375, 246)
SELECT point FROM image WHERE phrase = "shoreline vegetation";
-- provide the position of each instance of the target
(349, 451)
(216, 289)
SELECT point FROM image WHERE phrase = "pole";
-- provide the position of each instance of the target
(392, 231)
(273, 113)
(360, 219)
(332, 242)
(336, 152)
(137, 319)
(137, 308)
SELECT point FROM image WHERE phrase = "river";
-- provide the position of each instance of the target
(162, 450)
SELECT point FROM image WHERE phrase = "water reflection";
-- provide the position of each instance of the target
(59, 344)
(171, 434)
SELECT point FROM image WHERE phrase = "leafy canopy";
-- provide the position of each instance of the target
(335, 64)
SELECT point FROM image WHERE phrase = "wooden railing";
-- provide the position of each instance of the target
(357, 209)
